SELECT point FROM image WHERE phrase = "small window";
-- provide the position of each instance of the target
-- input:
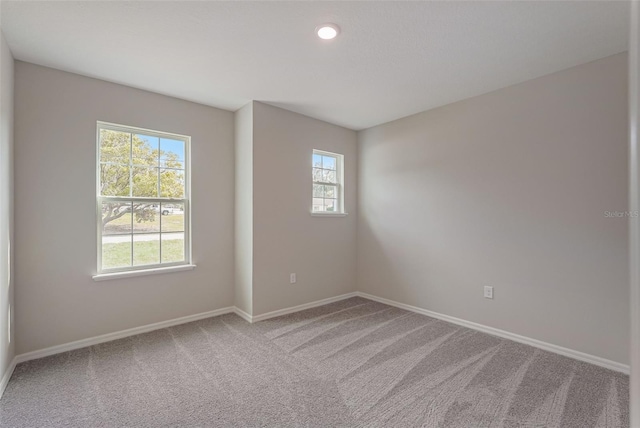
(142, 199)
(328, 188)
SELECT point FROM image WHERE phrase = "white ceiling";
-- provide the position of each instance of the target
(391, 60)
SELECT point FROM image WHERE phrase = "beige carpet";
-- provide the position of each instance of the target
(354, 363)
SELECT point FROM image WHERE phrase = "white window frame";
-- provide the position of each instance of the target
(134, 270)
(340, 212)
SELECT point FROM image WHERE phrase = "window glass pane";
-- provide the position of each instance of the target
(330, 205)
(318, 204)
(172, 247)
(146, 217)
(116, 251)
(146, 249)
(145, 150)
(171, 153)
(330, 192)
(328, 162)
(317, 161)
(317, 174)
(145, 182)
(318, 190)
(172, 183)
(114, 180)
(115, 146)
(116, 218)
(329, 176)
(172, 217)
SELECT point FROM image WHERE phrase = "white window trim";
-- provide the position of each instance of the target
(130, 271)
(142, 272)
(342, 212)
(328, 214)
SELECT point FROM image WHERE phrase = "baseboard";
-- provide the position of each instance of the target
(577, 355)
(298, 308)
(581, 356)
(243, 314)
(41, 353)
(7, 375)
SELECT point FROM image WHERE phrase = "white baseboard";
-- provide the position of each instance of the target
(299, 308)
(41, 353)
(242, 314)
(33, 355)
(581, 356)
(577, 355)
(7, 375)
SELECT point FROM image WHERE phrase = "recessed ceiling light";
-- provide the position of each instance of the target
(327, 31)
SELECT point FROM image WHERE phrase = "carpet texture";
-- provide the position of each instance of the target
(354, 363)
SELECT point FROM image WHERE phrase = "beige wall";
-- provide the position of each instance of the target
(507, 189)
(634, 204)
(244, 208)
(6, 205)
(55, 151)
(286, 238)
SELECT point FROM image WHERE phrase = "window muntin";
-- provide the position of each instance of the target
(327, 176)
(142, 199)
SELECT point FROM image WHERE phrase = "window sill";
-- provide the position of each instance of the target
(143, 272)
(329, 214)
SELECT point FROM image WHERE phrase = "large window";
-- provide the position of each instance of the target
(327, 183)
(142, 199)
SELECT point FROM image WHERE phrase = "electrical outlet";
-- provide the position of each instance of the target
(488, 292)
(292, 278)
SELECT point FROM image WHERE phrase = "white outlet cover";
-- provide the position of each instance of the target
(488, 292)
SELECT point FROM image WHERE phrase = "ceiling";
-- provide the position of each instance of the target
(392, 59)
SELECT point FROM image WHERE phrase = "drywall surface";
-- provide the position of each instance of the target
(244, 208)
(523, 189)
(286, 238)
(634, 204)
(7, 281)
(55, 196)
